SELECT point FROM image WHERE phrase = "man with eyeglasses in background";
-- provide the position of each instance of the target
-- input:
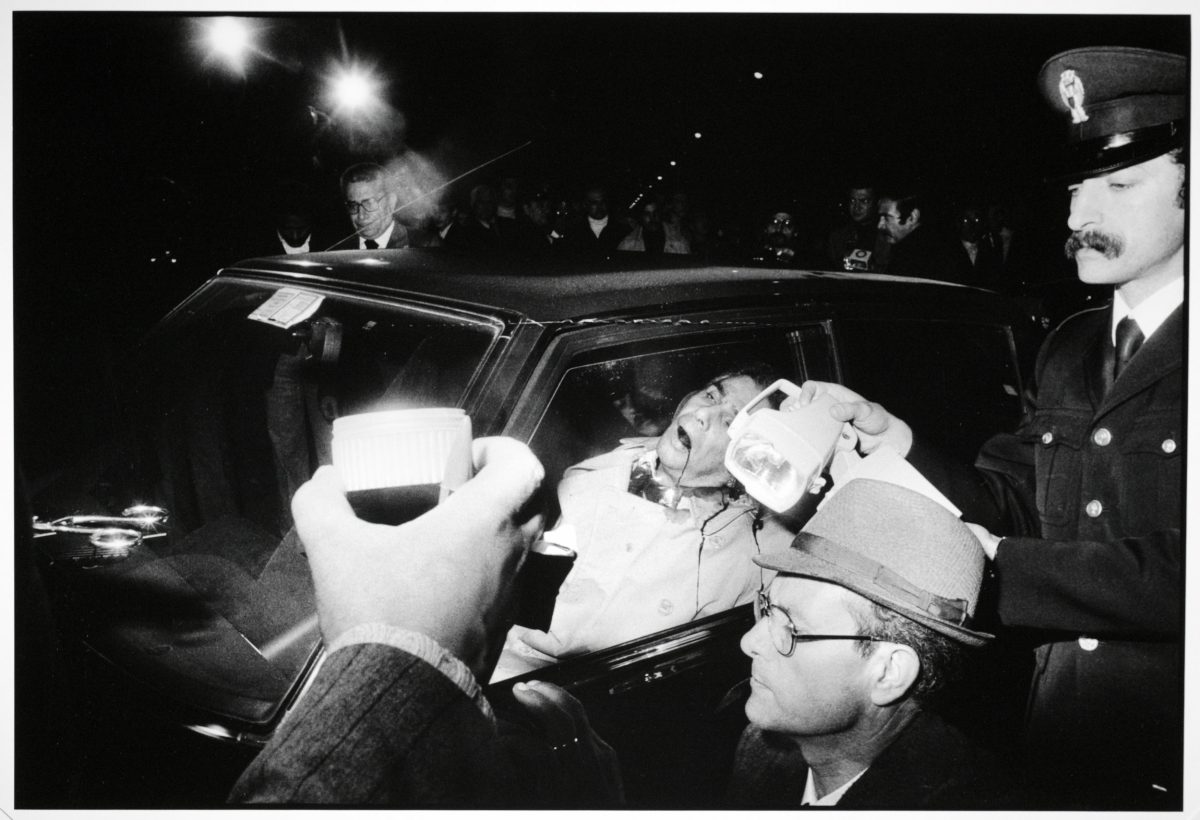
(868, 619)
(371, 203)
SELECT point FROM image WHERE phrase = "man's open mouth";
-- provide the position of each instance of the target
(684, 438)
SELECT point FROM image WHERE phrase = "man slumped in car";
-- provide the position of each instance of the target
(664, 534)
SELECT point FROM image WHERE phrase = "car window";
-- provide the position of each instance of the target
(647, 562)
(227, 416)
(620, 397)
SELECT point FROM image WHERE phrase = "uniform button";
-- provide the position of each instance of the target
(1047, 438)
(1094, 508)
(1102, 437)
(1088, 644)
(1168, 445)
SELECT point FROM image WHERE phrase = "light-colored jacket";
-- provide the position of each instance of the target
(641, 566)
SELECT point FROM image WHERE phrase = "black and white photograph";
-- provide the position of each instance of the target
(639, 408)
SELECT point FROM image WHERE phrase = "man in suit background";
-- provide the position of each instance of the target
(372, 203)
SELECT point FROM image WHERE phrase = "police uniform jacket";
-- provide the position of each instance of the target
(1091, 483)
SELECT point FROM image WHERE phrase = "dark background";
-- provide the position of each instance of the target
(141, 166)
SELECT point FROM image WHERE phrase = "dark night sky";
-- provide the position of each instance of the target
(617, 96)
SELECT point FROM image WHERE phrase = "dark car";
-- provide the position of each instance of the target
(199, 633)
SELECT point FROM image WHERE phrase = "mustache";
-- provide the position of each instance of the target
(1107, 244)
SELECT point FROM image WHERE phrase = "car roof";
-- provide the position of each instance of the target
(571, 289)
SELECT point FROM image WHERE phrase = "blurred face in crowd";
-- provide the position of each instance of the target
(970, 224)
(1128, 226)
(509, 191)
(860, 204)
(650, 215)
(370, 206)
(295, 228)
(483, 204)
(780, 224)
(596, 203)
(691, 450)
(538, 211)
(678, 206)
(891, 226)
(822, 687)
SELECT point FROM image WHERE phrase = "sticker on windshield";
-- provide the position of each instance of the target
(287, 307)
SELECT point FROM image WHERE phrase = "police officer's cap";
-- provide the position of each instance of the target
(1125, 105)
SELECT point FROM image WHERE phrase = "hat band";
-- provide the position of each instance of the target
(951, 610)
(1116, 151)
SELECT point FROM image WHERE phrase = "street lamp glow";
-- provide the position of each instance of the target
(229, 38)
(696, 135)
(673, 163)
(353, 90)
(758, 75)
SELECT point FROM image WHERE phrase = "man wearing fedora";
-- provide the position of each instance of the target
(1086, 497)
(869, 617)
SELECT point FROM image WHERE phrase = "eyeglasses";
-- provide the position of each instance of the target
(784, 636)
(366, 206)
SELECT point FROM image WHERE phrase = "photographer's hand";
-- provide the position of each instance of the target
(447, 574)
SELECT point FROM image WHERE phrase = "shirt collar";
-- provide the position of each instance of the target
(1153, 310)
(810, 791)
(646, 482)
(381, 240)
(290, 249)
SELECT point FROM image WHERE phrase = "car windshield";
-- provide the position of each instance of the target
(227, 410)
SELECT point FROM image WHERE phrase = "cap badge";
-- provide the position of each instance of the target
(1070, 88)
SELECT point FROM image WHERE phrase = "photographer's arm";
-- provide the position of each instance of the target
(381, 724)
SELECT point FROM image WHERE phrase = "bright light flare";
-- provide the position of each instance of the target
(354, 89)
(230, 39)
(758, 75)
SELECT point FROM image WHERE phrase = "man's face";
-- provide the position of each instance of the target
(692, 448)
(1128, 225)
(780, 224)
(890, 225)
(538, 211)
(650, 214)
(596, 203)
(484, 206)
(821, 688)
(372, 209)
(970, 225)
(861, 205)
(294, 228)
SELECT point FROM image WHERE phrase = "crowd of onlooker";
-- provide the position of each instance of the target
(899, 230)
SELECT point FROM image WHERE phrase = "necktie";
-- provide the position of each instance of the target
(371, 244)
(1129, 339)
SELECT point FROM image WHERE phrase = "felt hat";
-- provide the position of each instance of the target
(1124, 105)
(898, 548)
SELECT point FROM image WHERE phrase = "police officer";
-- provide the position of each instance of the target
(1086, 497)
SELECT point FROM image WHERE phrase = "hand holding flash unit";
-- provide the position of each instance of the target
(779, 455)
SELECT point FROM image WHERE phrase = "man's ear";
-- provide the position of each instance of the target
(895, 669)
(914, 216)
